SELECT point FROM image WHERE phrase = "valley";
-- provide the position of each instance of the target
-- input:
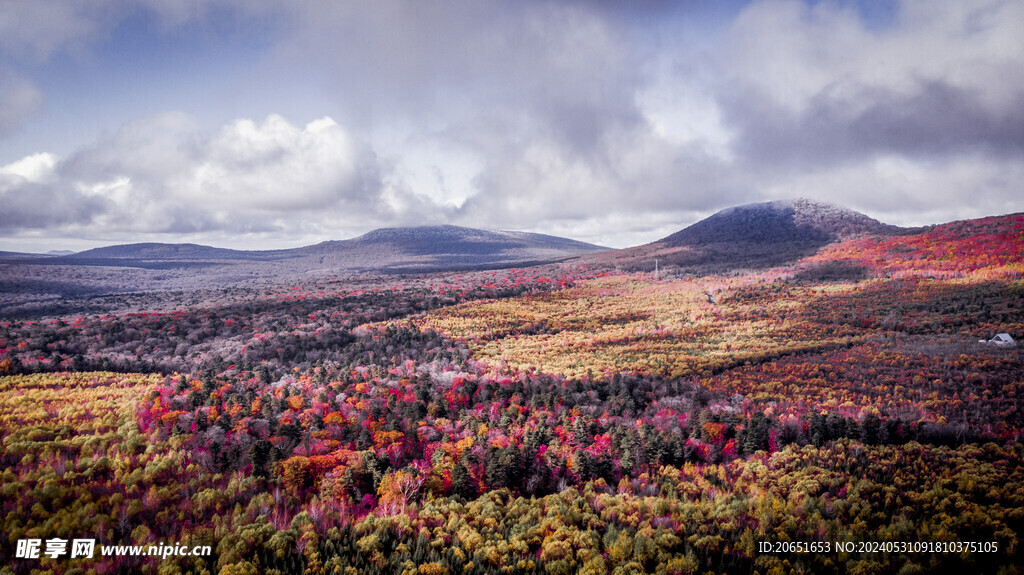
(463, 409)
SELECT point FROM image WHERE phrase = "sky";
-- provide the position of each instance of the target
(259, 124)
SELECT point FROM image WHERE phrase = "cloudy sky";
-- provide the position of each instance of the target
(279, 123)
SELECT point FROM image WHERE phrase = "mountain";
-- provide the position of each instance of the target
(158, 251)
(458, 240)
(38, 280)
(754, 236)
(787, 221)
(5, 255)
(49, 254)
(422, 248)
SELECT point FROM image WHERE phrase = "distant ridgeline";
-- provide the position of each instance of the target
(424, 248)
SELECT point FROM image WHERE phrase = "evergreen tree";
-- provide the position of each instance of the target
(757, 433)
(463, 484)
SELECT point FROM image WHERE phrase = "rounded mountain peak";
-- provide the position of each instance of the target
(796, 220)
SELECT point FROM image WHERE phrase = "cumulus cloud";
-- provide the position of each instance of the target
(32, 201)
(164, 175)
(34, 168)
(546, 98)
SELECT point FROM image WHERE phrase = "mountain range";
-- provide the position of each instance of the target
(387, 250)
(754, 235)
(742, 238)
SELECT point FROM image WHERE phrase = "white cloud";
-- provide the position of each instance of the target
(274, 166)
(621, 229)
(913, 192)
(683, 111)
(35, 168)
(163, 175)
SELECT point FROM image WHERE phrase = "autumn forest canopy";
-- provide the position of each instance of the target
(588, 415)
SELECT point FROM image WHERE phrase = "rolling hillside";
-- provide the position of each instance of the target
(423, 248)
(752, 237)
(41, 280)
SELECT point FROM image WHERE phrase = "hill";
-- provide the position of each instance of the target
(800, 221)
(755, 236)
(982, 246)
(35, 281)
(161, 251)
(430, 248)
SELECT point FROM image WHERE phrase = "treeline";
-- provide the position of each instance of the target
(460, 429)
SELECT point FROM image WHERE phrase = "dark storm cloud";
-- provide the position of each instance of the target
(917, 120)
(936, 119)
(565, 68)
(40, 206)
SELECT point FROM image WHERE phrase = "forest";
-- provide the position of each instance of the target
(567, 418)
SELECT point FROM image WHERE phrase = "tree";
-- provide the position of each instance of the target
(259, 456)
(757, 433)
(463, 483)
